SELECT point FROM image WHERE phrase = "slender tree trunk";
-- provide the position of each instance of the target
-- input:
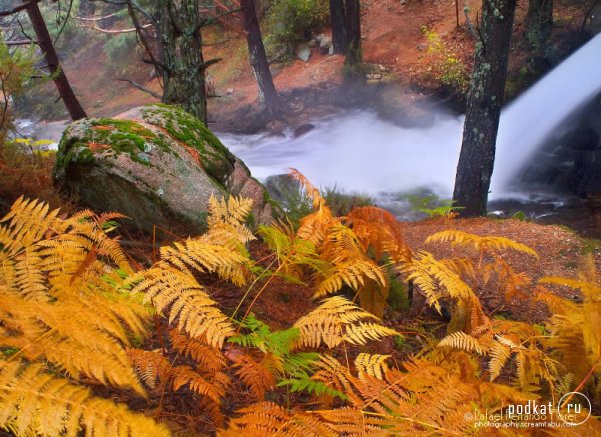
(268, 95)
(353, 32)
(539, 23)
(58, 75)
(485, 97)
(183, 68)
(338, 23)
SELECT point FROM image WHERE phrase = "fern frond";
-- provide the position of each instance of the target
(254, 375)
(380, 231)
(208, 358)
(339, 320)
(499, 355)
(226, 221)
(152, 366)
(185, 375)
(180, 293)
(199, 256)
(372, 364)
(589, 289)
(435, 279)
(462, 341)
(26, 223)
(313, 193)
(315, 226)
(479, 243)
(351, 266)
(353, 273)
(36, 403)
(270, 419)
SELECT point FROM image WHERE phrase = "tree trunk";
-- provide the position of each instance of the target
(268, 95)
(539, 23)
(485, 97)
(338, 23)
(183, 68)
(353, 32)
(58, 75)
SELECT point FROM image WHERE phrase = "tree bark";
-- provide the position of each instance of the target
(58, 75)
(338, 23)
(353, 32)
(485, 97)
(268, 95)
(539, 23)
(183, 67)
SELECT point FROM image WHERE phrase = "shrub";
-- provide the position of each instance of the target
(446, 67)
(289, 22)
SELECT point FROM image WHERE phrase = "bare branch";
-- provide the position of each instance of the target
(113, 31)
(24, 42)
(141, 88)
(95, 18)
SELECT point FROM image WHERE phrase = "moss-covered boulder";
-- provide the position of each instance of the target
(156, 164)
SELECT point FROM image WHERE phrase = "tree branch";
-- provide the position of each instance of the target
(141, 88)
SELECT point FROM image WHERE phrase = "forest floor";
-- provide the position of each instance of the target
(394, 36)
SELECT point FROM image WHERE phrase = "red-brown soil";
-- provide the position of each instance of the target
(393, 36)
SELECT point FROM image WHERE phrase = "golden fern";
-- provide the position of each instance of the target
(436, 280)
(186, 301)
(292, 253)
(26, 223)
(254, 375)
(461, 340)
(380, 231)
(227, 221)
(269, 419)
(170, 285)
(152, 367)
(312, 191)
(207, 358)
(479, 243)
(372, 364)
(33, 402)
(338, 320)
(425, 399)
(61, 295)
(350, 265)
(575, 327)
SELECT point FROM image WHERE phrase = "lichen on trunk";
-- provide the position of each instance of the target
(183, 67)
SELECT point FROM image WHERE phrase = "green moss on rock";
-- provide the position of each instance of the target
(216, 159)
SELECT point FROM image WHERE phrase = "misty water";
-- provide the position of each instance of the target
(356, 151)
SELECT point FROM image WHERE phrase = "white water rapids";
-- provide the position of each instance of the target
(357, 151)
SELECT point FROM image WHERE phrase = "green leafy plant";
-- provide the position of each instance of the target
(289, 22)
(432, 205)
(446, 67)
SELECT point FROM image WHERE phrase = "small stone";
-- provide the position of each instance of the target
(230, 90)
(331, 51)
(303, 53)
(324, 44)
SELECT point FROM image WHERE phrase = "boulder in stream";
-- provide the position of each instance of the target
(156, 164)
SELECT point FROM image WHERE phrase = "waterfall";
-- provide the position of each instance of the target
(535, 115)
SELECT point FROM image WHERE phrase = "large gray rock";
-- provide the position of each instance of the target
(156, 164)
